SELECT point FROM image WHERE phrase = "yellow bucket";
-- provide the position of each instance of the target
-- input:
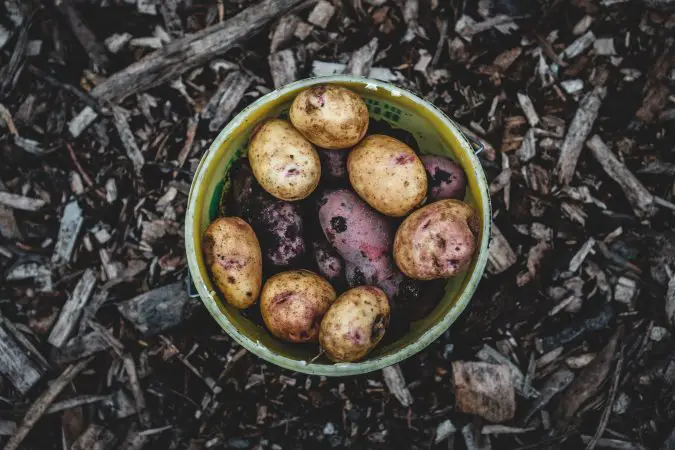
(435, 134)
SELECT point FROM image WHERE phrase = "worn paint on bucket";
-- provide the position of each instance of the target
(435, 134)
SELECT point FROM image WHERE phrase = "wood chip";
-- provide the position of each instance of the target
(283, 32)
(581, 254)
(21, 202)
(572, 86)
(474, 440)
(445, 430)
(362, 59)
(80, 347)
(283, 67)
(484, 389)
(115, 42)
(626, 291)
(552, 386)
(7, 428)
(528, 109)
(226, 98)
(580, 45)
(639, 197)
(158, 309)
(490, 355)
(500, 254)
(95, 437)
(528, 148)
(43, 402)
(69, 230)
(586, 384)
(16, 363)
(321, 14)
(81, 121)
(670, 301)
(190, 51)
(128, 139)
(72, 309)
(84, 35)
(578, 131)
(393, 378)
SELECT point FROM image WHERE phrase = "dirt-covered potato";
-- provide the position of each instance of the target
(354, 324)
(233, 256)
(285, 163)
(446, 178)
(437, 241)
(293, 304)
(330, 116)
(278, 224)
(387, 174)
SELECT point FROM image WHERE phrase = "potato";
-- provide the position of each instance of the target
(233, 257)
(359, 234)
(293, 304)
(437, 241)
(387, 174)
(354, 324)
(329, 262)
(330, 116)
(333, 166)
(381, 273)
(278, 224)
(285, 163)
(446, 178)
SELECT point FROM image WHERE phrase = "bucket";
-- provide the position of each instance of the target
(435, 134)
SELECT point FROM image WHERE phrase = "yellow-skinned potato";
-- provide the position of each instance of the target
(330, 116)
(437, 241)
(387, 174)
(355, 323)
(233, 256)
(285, 163)
(293, 304)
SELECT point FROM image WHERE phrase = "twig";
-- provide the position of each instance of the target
(43, 402)
(190, 51)
(609, 404)
(85, 176)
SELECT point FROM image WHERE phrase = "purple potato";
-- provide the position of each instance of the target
(381, 273)
(278, 224)
(333, 165)
(331, 266)
(446, 178)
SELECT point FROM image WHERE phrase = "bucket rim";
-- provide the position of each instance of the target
(368, 365)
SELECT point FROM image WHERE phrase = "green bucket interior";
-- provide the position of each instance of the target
(434, 133)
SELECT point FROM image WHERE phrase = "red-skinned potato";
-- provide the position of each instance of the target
(233, 256)
(436, 241)
(387, 174)
(330, 116)
(285, 163)
(293, 304)
(354, 324)
(446, 178)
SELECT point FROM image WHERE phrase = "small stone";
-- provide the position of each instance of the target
(658, 333)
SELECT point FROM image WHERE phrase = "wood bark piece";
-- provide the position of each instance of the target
(72, 309)
(81, 347)
(484, 389)
(16, 364)
(158, 309)
(128, 139)
(190, 51)
(95, 437)
(43, 402)
(500, 254)
(445, 430)
(167, 9)
(69, 230)
(283, 67)
(393, 378)
(586, 385)
(8, 226)
(7, 428)
(85, 36)
(321, 14)
(657, 89)
(528, 108)
(639, 197)
(528, 148)
(473, 438)
(21, 202)
(226, 98)
(283, 31)
(490, 355)
(554, 384)
(81, 121)
(578, 131)
(670, 301)
(130, 367)
(362, 59)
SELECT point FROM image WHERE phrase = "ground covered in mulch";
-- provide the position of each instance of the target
(105, 112)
